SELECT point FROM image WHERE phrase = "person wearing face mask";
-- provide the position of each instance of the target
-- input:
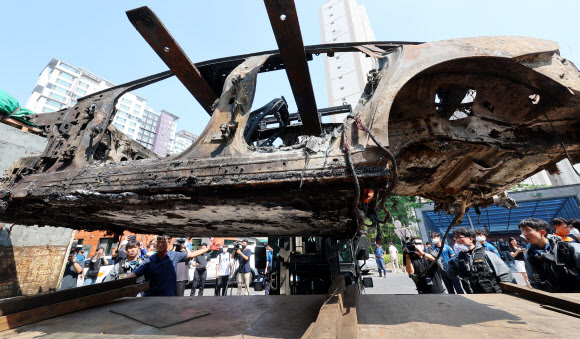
(245, 271)
(427, 282)
(480, 270)
(481, 237)
(222, 271)
(452, 285)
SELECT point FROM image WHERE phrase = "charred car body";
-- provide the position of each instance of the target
(456, 121)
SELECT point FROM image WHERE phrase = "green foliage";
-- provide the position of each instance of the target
(524, 187)
(402, 209)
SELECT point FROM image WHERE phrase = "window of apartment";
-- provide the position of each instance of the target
(136, 111)
(64, 83)
(83, 85)
(131, 130)
(53, 103)
(339, 67)
(118, 125)
(81, 91)
(125, 101)
(73, 102)
(66, 76)
(132, 124)
(56, 96)
(74, 96)
(47, 110)
(125, 107)
(121, 119)
(72, 69)
(137, 106)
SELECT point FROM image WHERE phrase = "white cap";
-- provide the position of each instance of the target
(124, 242)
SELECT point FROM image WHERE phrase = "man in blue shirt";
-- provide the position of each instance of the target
(244, 271)
(481, 237)
(379, 256)
(452, 285)
(161, 269)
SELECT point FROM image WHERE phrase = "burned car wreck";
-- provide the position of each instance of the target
(456, 121)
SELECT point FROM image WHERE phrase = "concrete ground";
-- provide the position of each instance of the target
(394, 283)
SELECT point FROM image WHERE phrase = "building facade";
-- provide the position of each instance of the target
(181, 141)
(60, 85)
(346, 73)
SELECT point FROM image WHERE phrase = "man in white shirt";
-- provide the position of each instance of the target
(222, 271)
(394, 258)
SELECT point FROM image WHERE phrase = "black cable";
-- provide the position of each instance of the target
(562, 143)
(453, 223)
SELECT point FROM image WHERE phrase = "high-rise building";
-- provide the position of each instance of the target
(60, 85)
(567, 176)
(346, 73)
(182, 140)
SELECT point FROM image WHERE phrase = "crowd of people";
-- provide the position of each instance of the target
(167, 271)
(550, 260)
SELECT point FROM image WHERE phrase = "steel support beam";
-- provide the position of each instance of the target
(159, 38)
(284, 21)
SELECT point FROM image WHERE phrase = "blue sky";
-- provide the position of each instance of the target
(97, 36)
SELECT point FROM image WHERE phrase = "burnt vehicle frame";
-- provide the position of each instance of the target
(456, 121)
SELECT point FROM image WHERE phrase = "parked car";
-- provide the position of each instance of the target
(103, 271)
(211, 265)
(369, 265)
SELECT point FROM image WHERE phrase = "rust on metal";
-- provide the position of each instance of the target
(461, 117)
(159, 38)
(284, 21)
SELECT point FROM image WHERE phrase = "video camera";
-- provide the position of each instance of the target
(409, 247)
(237, 246)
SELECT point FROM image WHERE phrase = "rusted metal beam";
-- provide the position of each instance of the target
(159, 38)
(542, 297)
(284, 21)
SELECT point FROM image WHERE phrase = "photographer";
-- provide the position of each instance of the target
(200, 273)
(95, 264)
(480, 270)
(416, 262)
(244, 271)
(125, 266)
(72, 270)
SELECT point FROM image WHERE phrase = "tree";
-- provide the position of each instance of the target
(402, 209)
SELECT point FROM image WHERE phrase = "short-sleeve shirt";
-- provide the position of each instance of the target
(161, 273)
(245, 263)
(80, 259)
(379, 252)
(491, 248)
(393, 251)
(519, 256)
(224, 260)
(269, 258)
(447, 252)
(69, 279)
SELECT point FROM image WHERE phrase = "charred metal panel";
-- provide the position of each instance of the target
(466, 119)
